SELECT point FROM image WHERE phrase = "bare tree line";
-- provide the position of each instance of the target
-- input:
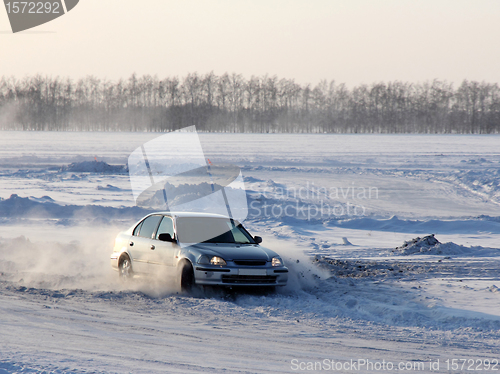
(230, 103)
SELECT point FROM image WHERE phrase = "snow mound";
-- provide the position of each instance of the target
(429, 245)
(251, 179)
(271, 183)
(43, 199)
(418, 245)
(30, 207)
(94, 167)
(346, 241)
(109, 187)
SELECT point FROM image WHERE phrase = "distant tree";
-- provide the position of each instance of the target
(259, 104)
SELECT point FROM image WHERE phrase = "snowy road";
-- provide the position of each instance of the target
(112, 332)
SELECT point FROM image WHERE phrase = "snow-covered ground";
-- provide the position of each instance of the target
(338, 208)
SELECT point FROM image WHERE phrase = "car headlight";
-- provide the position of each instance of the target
(277, 261)
(203, 260)
(217, 261)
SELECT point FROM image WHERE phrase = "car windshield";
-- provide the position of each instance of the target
(211, 230)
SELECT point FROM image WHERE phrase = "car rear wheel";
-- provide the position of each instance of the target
(125, 269)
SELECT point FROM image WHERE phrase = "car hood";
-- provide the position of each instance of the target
(234, 251)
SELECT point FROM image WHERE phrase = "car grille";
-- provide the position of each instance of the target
(250, 262)
(248, 279)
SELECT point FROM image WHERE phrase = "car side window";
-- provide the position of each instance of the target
(166, 227)
(137, 229)
(149, 226)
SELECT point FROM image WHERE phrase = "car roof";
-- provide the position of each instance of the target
(190, 214)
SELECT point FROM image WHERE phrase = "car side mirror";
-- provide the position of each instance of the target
(257, 239)
(166, 237)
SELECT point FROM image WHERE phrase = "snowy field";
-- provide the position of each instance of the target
(338, 208)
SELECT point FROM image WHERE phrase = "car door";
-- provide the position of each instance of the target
(141, 243)
(164, 252)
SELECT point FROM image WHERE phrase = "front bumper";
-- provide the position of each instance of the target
(239, 276)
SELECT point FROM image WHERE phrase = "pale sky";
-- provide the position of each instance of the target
(349, 41)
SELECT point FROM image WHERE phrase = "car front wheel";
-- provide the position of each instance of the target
(186, 275)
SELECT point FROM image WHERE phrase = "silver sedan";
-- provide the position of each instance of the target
(197, 249)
